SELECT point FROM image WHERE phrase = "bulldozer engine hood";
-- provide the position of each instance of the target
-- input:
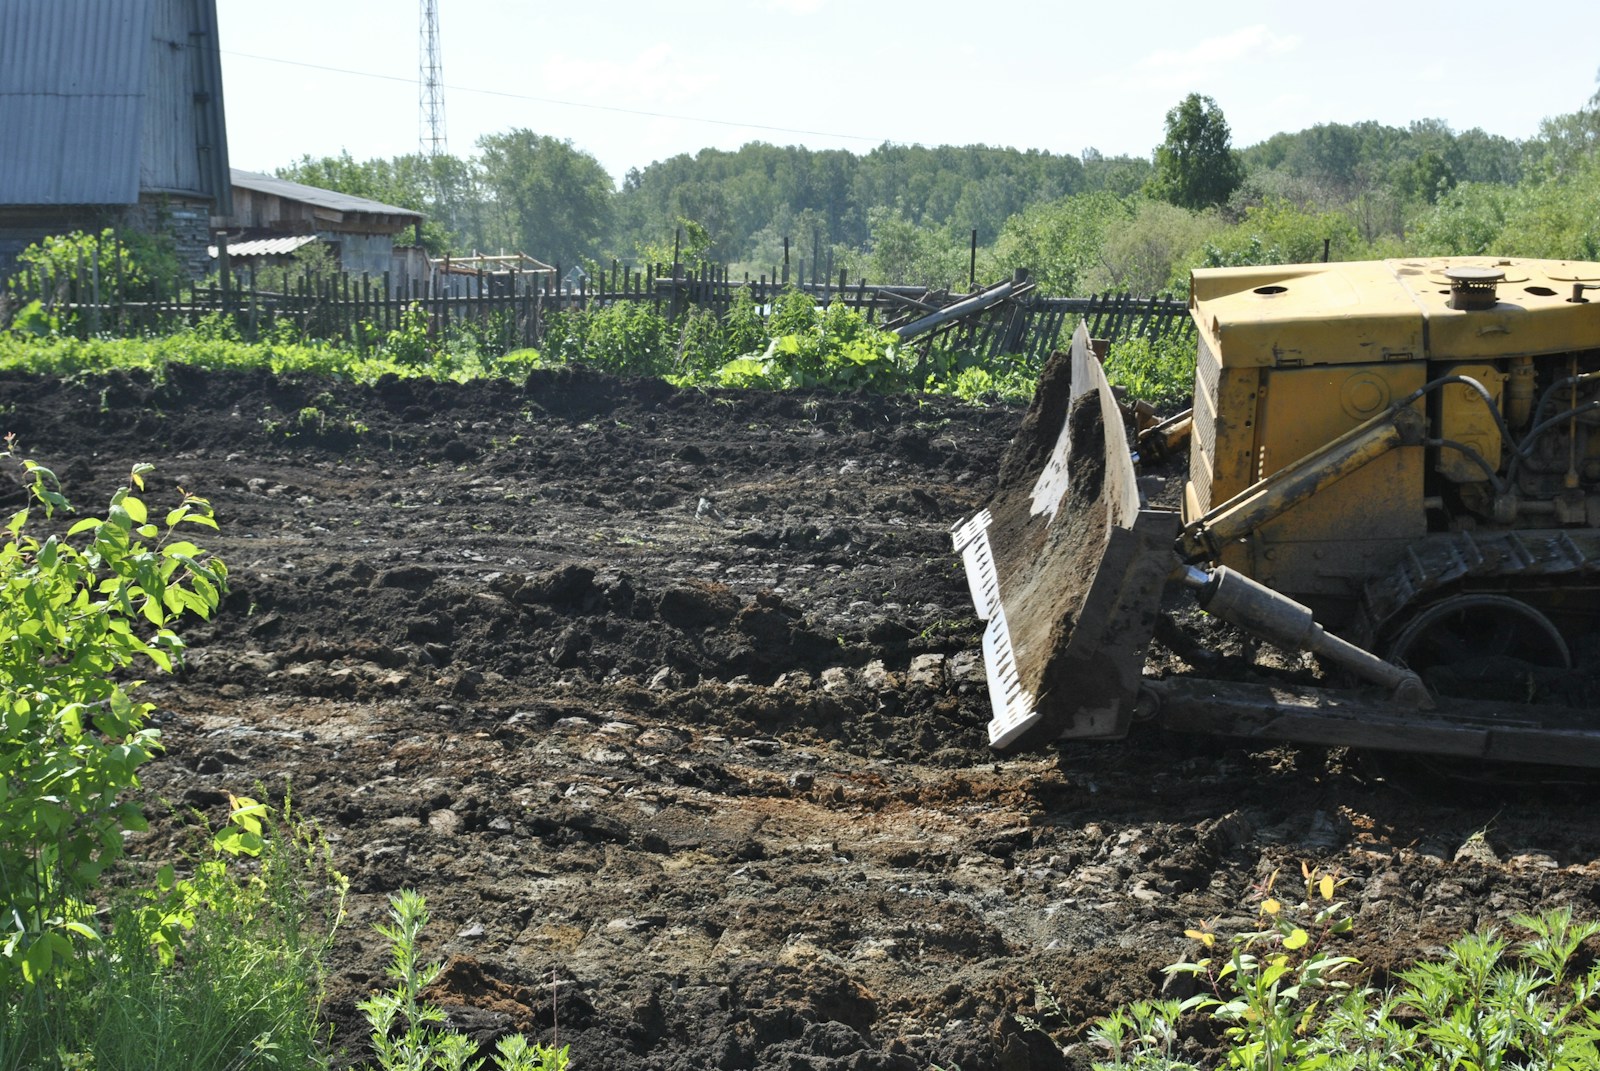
(1363, 312)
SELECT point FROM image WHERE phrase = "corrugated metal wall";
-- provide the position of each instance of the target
(184, 147)
(103, 99)
(372, 253)
(71, 96)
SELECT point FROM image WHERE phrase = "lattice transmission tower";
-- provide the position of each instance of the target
(430, 86)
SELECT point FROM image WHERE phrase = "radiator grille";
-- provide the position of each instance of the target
(1202, 453)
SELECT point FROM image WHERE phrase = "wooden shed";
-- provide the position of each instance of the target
(362, 233)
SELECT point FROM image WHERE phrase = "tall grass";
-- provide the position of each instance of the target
(220, 971)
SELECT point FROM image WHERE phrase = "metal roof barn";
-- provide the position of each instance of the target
(102, 100)
(273, 197)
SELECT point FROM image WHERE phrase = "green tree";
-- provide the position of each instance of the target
(552, 201)
(691, 241)
(1151, 253)
(1123, 176)
(1565, 142)
(1196, 166)
(905, 253)
(1060, 243)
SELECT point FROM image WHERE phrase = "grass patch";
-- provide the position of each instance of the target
(216, 971)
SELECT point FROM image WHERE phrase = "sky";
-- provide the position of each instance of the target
(635, 81)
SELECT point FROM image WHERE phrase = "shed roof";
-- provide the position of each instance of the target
(265, 247)
(315, 195)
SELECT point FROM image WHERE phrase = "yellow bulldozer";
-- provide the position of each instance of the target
(1393, 466)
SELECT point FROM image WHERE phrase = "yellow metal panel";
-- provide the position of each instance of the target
(1531, 314)
(1301, 314)
(1361, 312)
(1302, 409)
(1465, 419)
(1226, 462)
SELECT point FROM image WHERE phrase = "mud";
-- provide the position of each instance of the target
(670, 702)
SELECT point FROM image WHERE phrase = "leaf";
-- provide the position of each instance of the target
(1271, 906)
(247, 813)
(81, 930)
(232, 841)
(1296, 939)
(153, 613)
(1325, 886)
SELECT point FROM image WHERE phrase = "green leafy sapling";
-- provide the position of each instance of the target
(76, 609)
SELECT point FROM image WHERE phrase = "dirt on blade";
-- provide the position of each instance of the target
(671, 704)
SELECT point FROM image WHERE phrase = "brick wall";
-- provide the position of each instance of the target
(187, 220)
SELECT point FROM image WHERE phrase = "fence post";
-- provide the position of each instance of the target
(94, 287)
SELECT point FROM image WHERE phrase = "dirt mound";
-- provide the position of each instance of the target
(670, 702)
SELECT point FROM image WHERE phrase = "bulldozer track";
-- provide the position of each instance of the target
(1513, 562)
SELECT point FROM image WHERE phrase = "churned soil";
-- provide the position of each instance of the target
(671, 703)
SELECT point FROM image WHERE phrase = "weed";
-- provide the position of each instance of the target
(1487, 1004)
(216, 971)
(405, 1031)
(1256, 989)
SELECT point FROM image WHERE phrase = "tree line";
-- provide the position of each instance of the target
(1085, 222)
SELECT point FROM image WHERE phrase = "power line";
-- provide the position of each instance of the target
(559, 101)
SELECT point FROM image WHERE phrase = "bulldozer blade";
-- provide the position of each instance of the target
(1066, 566)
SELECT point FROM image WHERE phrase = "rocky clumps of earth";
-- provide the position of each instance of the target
(670, 703)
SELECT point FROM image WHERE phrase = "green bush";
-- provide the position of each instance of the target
(624, 338)
(218, 970)
(143, 265)
(835, 348)
(1278, 232)
(1158, 371)
(77, 608)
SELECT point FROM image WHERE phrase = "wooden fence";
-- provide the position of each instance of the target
(515, 306)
